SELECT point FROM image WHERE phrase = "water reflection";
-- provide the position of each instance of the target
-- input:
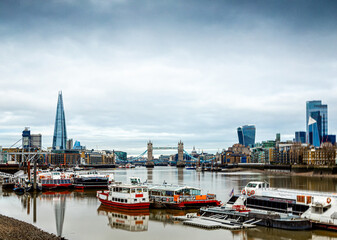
(149, 175)
(129, 220)
(60, 208)
(59, 201)
(180, 176)
(78, 216)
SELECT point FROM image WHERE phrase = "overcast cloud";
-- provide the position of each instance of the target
(131, 71)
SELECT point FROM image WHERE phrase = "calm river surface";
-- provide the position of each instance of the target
(77, 214)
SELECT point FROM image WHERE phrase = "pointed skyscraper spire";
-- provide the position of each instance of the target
(60, 131)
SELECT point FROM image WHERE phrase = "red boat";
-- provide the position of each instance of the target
(55, 180)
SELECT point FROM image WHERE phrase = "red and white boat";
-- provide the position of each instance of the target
(125, 196)
(52, 180)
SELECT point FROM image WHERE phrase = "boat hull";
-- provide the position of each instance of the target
(119, 205)
(93, 182)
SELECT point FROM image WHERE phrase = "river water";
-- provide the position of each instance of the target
(76, 214)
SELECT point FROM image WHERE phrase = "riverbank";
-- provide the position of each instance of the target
(282, 172)
(13, 229)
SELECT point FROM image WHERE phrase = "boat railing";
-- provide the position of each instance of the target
(182, 198)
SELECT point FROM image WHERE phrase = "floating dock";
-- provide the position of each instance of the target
(214, 222)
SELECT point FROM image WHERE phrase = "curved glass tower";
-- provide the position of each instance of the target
(60, 131)
(246, 135)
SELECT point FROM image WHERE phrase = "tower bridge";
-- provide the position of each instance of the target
(183, 157)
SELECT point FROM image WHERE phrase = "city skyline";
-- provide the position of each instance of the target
(165, 71)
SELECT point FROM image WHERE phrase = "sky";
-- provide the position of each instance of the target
(165, 71)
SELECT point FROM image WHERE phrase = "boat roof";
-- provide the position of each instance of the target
(167, 187)
(126, 185)
(256, 182)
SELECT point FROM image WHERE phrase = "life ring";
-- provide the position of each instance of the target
(252, 192)
(248, 193)
(328, 200)
(243, 192)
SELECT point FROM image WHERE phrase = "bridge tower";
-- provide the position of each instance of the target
(180, 162)
(149, 163)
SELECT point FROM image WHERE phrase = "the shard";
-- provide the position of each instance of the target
(60, 131)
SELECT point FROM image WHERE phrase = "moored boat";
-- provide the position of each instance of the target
(8, 182)
(92, 179)
(125, 196)
(283, 208)
(54, 180)
(180, 197)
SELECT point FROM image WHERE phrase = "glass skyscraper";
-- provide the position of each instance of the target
(246, 135)
(318, 112)
(60, 131)
(300, 137)
(313, 133)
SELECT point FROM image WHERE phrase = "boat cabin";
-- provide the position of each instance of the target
(128, 193)
(254, 187)
(171, 190)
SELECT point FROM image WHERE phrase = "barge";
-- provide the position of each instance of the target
(179, 197)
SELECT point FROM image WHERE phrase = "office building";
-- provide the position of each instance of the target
(26, 138)
(60, 132)
(36, 141)
(329, 138)
(246, 135)
(31, 141)
(70, 144)
(313, 137)
(318, 112)
(278, 137)
(300, 137)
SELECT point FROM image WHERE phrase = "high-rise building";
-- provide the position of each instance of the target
(31, 141)
(318, 112)
(36, 141)
(329, 138)
(300, 137)
(70, 144)
(278, 137)
(246, 135)
(26, 138)
(60, 131)
(313, 137)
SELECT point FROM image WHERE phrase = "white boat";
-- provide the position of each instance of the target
(319, 207)
(125, 196)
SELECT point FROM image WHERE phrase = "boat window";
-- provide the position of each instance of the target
(144, 199)
(133, 190)
(139, 190)
(135, 200)
(251, 185)
(144, 189)
(260, 185)
(125, 190)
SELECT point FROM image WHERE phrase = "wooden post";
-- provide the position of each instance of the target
(34, 184)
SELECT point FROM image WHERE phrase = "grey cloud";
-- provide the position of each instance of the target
(165, 70)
